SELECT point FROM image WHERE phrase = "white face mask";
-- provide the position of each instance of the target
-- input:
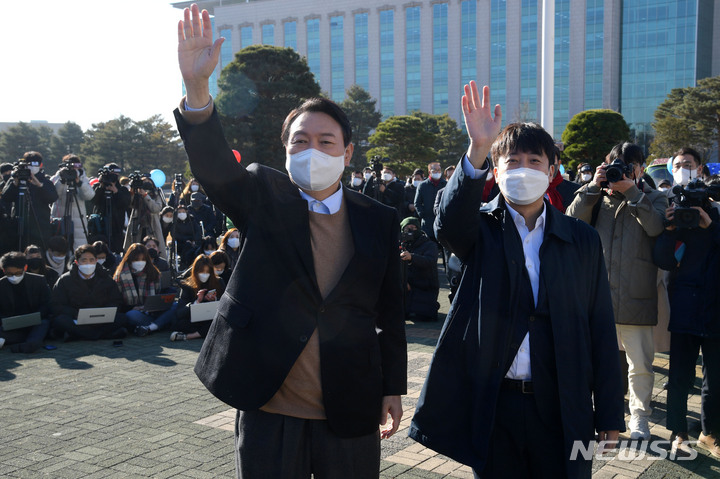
(523, 186)
(357, 181)
(182, 216)
(101, 261)
(15, 279)
(34, 170)
(167, 219)
(194, 187)
(233, 242)
(435, 176)
(58, 259)
(138, 265)
(387, 177)
(416, 183)
(683, 176)
(586, 176)
(367, 176)
(219, 272)
(203, 277)
(87, 269)
(208, 252)
(314, 170)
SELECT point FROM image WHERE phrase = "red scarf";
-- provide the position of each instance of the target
(488, 188)
(553, 195)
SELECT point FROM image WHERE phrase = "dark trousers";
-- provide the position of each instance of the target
(29, 338)
(684, 351)
(275, 446)
(93, 332)
(521, 443)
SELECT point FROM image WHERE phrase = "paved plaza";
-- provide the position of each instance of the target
(94, 410)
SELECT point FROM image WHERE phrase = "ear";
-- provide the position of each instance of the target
(348, 154)
(495, 171)
(551, 172)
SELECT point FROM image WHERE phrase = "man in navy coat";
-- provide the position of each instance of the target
(309, 339)
(526, 364)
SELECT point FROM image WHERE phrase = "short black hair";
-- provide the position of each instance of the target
(101, 248)
(219, 257)
(85, 248)
(32, 249)
(13, 259)
(6, 167)
(166, 210)
(150, 238)
(321, 105)
(628, 153)
(527, 137)
(32, 157)
(692, 152)
(57, 243)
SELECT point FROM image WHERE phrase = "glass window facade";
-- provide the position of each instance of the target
(528, 61)
(412, 58)
(498, 56)
(313, 46)
(246, 37)
(215, 76)
(658, 54)
(290, 34)
(361, 50)
(440, 58)
(268, 34)
(226, 53)
(594, 18)
(468, 42)
(387, 63)
(561, 94)
(337, 77)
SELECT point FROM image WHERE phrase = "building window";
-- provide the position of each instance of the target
(387, 64)
(290, 35)
(337, 79)
(528, 61)
(412, 58)
(498, 56)
(440, 59)
(268, 34)
(561, 95)
(246, 37)
(594, 18)
(361, 50)
(313, 46)
(468, 46)
(226, 53)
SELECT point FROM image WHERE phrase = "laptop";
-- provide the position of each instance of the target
(159, 302)
(95, 316)
(20, 321)
(203, 311)
(165, 280)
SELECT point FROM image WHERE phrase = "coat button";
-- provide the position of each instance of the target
(531, 318)
(322, 309)
(303, 339)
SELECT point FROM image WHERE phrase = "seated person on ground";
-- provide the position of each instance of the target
(23, 293)
(36, 264)
(105, 257)
(152, 245)
(86, 286)
(221, 264)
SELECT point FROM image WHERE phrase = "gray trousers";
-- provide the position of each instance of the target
(275, 446)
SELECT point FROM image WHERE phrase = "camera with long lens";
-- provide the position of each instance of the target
(696, 193)
(107, 177)
(68, 172)
(21, 171)
(616, 171)
(136, 180)
(377, 166)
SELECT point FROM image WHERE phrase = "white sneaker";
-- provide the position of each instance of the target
(639, 428)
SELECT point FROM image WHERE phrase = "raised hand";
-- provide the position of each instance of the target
(482, 128)
(197, 54)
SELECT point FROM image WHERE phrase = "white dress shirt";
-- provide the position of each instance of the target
(328, 206)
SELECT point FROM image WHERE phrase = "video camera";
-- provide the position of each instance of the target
(616, 171)
(136, 180)
(696, 193)
(69, 171)
(377, 166)
(21, 170)
(107, 177)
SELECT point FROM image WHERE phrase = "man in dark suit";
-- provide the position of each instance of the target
(523, 374)
(309, 340)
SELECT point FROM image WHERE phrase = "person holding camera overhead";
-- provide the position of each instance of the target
(146, 203)
(71, 179)
(32, 215)
(111, 201)
(690, 249)
(628, 214)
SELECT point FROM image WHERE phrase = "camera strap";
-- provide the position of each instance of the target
(596, 209)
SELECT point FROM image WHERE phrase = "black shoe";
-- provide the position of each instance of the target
(141, 331)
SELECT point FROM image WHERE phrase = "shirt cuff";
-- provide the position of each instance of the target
(195, 116)
(470, 171)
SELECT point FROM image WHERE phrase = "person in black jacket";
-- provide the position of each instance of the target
(186, 234)
(40, 195)
(425, 197)
(221, 265)
(388, 190)
(23, 293)
(202, 213)
(109, 186)
(692, 255)
(419, 255)
(36, 265)
(86, 286)
(410, 192)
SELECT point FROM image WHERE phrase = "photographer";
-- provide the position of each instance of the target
(144, 219)
(32, 214)
(628, 214)
(690, 249)
(419, 256)
(386, 189)
(71, 179)
(113, 200)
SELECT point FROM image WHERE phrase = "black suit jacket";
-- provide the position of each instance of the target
(272, 303)
(38, 293)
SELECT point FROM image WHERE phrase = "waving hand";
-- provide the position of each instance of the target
(482, 128)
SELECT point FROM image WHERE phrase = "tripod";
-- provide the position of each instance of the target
(68, 224)
(23, 210)
(108, 218)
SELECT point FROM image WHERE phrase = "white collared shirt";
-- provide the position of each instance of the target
(328, 206)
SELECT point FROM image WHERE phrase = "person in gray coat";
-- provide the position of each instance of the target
(72, 166)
